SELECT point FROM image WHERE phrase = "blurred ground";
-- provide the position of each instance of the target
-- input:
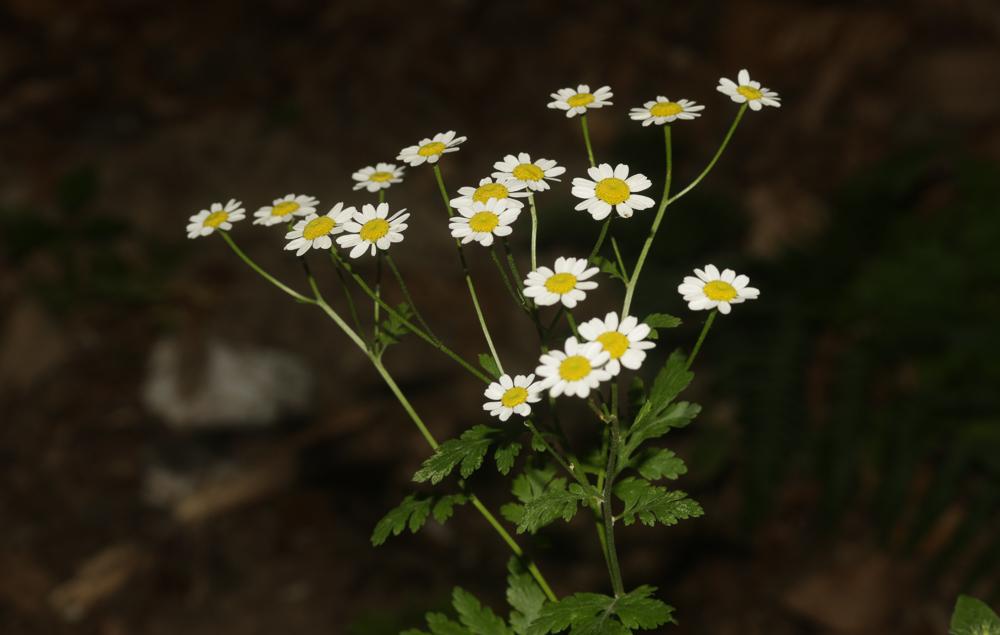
(120, 119)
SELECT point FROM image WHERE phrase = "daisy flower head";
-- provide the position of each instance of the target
(521, 173)
(314, 231)
(575, 370)
(378, 177)
(430, 150)
(512, 395)
(488, 188)
(611, 189)
(711, 289)
(480, 222)
(662, 110)
(623, 340)
(744, 90)
(217, 216)
(566, 282)
(372, 229)
(576, 101)
(285, 209)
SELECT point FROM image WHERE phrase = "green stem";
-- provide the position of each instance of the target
(350, 299)
(600, 238)
(570, 469)
(403, 401)
(433, 341)
(406, 295)
(701, 338)
(506, 279)
(618, 257)
(378, 292)
(465, 271)
(534, 232)
(586, 140)
(668, 201)
(381, 196)
(253, 265)
(512, 263)
(572, 323)
(609, 479)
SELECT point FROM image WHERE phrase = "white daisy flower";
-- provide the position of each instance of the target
(430, 150)
(379, 177)
(575, 370)
(314, 231)
(576, 101)
(521, 173)
(611, 189)
(712, 289)
(751, 92)
(482, 221)
(373, 228)
(624, 341)
(488, 188)
(662, 111)
(567, 283)
(511, 396)
(284, 209)
(217, 216)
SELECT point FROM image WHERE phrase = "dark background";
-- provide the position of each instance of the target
(847, 456)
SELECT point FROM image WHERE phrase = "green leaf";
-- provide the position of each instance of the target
(392, 327)
(656, 425)
(479, 619)
(489, 365)
(524, 596)
(557, 501)
(505, 456)
(972, 617)
(527, 486)
(412, 513)
(441, 625)
(652, 504)
(609, 267)
(660, 321)
(657, 463)
(467, 450)
(592, 614)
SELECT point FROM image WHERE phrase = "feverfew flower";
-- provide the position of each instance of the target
(512, 396)
(567, 283)
(751, 92)
(575, 370)
(611, 189)
(520, 172)
(285, 209)
(314, 231)
(430, 150)
(576, 101)
(482, 221)
(217, 216)
(624, 341)
(712, 289)
(488, 188)
(664, 111)
(372, 228)
(379, 177)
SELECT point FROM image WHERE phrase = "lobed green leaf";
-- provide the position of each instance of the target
(593, 614)
(505, 456)
(657, 463)
(557, 501)
(655, 425)
(467, 452)
(973, 617)
(489, 364)
(651, 504)
(412, 514)
(479, 619)
(524, 596)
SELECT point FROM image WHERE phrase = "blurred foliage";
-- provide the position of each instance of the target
(73, 257)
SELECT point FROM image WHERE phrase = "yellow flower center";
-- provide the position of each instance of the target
(514, 397)
(614, 343)
(215, 219)
(750, 93)
(528, 172)
(574, 367)
(719, 291)
(432, 148)
(561, 283)
(612, 191)
(380, 177)
(483, 221)
(484, 193)
(580, 99)
(318, 227)
(284, 208)
(374, 229)
(666, 109)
